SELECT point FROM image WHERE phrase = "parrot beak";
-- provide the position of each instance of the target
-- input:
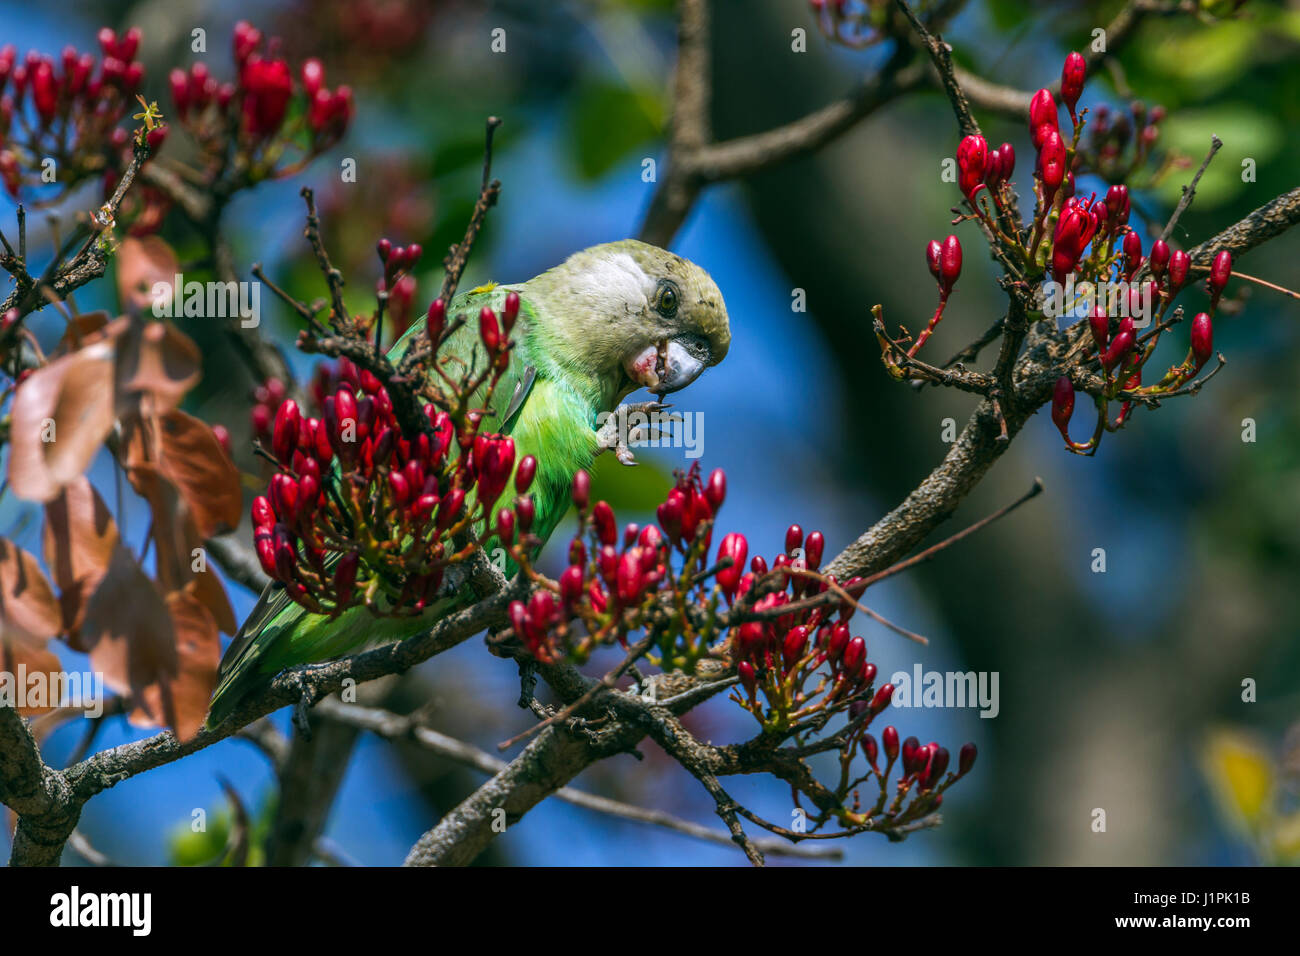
(664, 368)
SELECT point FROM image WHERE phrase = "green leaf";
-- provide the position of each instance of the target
(607, 121)
(1247, 133)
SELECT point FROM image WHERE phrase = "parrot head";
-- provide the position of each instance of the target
(633, 315)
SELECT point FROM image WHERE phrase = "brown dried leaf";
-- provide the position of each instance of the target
(81, 330)
(176, 540)
(60, 416)
(80, 537)
(192, 459)
(27, 601)
(23, 653)
(183, 699)
(128, 629)
(157, 358)
(142, 262)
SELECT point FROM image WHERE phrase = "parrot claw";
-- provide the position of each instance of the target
(614, 435)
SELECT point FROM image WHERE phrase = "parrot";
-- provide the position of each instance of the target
(607, 321)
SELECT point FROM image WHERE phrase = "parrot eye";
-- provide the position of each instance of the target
(666, 304)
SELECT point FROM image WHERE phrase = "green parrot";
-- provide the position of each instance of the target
(609, 320)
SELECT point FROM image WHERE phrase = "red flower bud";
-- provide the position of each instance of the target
(571, 581)
(494, 464)
(839, 640)
(949, 263)
(882, 699)
(966, 759)
(1119, 348)
(345, 574)
(813, 549)
(489, 331)
(267, 88)
(1051, 163)
(1159, 260)
(313, 76)
(518, 615)
(435, 321)
(44, 92)
(889, 738)
(735, 547)
(629, 577)
(1063, 405)
(715, 489)
(972, 158)
(1132, 246)
(748, 679)
(1220, 270)
(400, 487)
(264, 544)
(911, 751)
(794, 646)
(869, 748)
(284, 438)
(1072, 76)
(284, 495)
(993, 169)
(793, 538)
(1202, 339)
(506, 526)
(932, 250)
(581, 490)
(1099, 322)
(510, 311)
(1008, 154)
(1042, 116)
(938, 764)
(1180, 263)
(286, 554)
(525, 473)
(526, 511)
(602, 515)
(449, 508)
(1118, 205)
(855, 656)
(262, 514)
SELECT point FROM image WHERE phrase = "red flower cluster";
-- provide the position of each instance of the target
(1080, 243)
(359, 514)
(611, 575)
(365, 509)
(796, 659)
(74, 109)
(257, 105)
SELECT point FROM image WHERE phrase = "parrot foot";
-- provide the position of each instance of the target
(621, 429)
(306, 698)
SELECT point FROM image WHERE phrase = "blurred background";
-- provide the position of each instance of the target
(1120, 690)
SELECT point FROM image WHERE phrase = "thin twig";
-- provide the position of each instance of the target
(1189, 191)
